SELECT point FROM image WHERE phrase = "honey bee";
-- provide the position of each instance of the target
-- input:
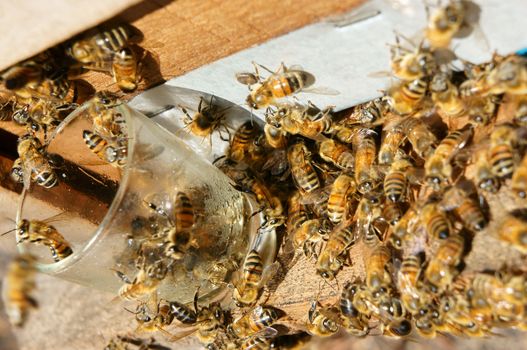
(438, 170)
(392, 137)
(501, 153)
(368, 210)
(322, 322)
(96, 50)
(207, 119)
(402, 230)
(280, 84)
(248, 287)
(367, 114)
(445, 23)
(304, 175)
(149, 321)
(407, 283)
(338, 201)
(513, 230)
(208, 320)
(41, 232)
(396, 181)
(458, 319)
(485, 178)
(125, 69)
(445, 95)
(242, 139)
(419, 135)
(107, 123)
(248, 182)
(257, 320)
(308, 121)
(18, 284)
(411, 64)
(465, 208)
(39, 114)
(441, 269)
(142, 285)
(179, 236)
(406, 97)
(519, 179)
(436, 222)
(509, 75)
(491, 295)
(305, 232)
(275, 137)
(365, 151)
(34, 163)
(27, 74)
(354, 321)
(378, 279)
(337, 154)
(115, 153)
(334, 253)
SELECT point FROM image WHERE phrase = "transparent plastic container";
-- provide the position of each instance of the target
(103, 211)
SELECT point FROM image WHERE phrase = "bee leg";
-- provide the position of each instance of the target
(187, 119)
(257, 73)
(225, 128)
(282, 68)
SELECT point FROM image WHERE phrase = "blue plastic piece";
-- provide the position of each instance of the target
(522, 52)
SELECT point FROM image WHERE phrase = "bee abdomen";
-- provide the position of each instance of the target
(182, 313)
(472, 216)
(60, 251)
(253, 266)
(501, 160)
(184, 212)
(394, 186)
(438, 226)
(114, 39)
(46, 179)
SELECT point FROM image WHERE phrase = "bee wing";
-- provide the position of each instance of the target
(148, 151)
(246, 78)
(269, 272)
(322, 90)
(173, 338)
(317, 196)
(62, 216)
(267, 332)
(380, 74)
(295, 67)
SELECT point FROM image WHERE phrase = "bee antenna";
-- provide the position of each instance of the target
(130, 311)
(5, 233)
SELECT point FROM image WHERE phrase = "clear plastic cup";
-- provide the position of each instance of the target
(102, 209)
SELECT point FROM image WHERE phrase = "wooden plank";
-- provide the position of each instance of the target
(185, 34)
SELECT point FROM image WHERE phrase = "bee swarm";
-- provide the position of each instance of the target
(403, 216)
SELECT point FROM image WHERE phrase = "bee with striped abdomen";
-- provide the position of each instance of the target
(280, 84)
(41, 232)
(114, 153)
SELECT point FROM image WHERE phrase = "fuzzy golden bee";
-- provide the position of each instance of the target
(18, 285)
(280, 84)
(41, 232)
